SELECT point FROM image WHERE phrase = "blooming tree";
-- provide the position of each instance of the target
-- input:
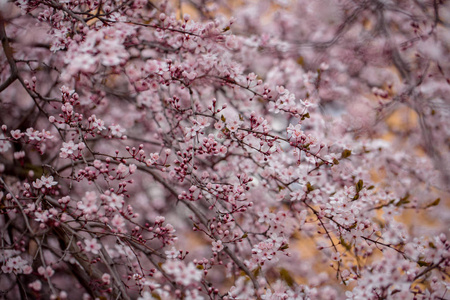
(265, 149)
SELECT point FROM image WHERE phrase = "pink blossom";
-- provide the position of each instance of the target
(153, 159)
(68, 149)
(42, 217)
(48, 182)
(233, 124)
(46, 272)
(219, 125)
(64, 200)
(115, 201)
(106, 278)
(33, 134)
(19, 155)
(15, 264)
(173, 253)
(88, 205)
(217, 246)
(132, 168)
(118, 222)
(97, 124)
(295, 132)
(44, 181)
(146, 296)
(232, 42)
(36, 285)
(16, 134)
(266, 216)
(92, 246)
(97, 164)
(188, 274)
(237, 135)
(4, 143)
(116, 130)
(121, 169)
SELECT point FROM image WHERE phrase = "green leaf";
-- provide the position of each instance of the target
(245, 235)
(423, 263)
(359, 185)
(434, 203)
(305, 116)
(346, 153)
(353, 225)
(345, 244)
(223, 118)
(156, 296)
(335, 161)
(256, 271)
(403, 200)
(284, 274)
(309, 186)
(284, 247)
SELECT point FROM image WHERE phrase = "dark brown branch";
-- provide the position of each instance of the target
(9, 55)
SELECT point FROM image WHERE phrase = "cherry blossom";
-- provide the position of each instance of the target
(36, 285)
(4, 145)
(264, 149)
(116, 130)
(68, 149)
(217, 246)
(44, 181)
(92, 246)
(46, 272)
(106, 278)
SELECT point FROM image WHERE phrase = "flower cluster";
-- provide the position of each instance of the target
(251, 150)
(13, 263)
